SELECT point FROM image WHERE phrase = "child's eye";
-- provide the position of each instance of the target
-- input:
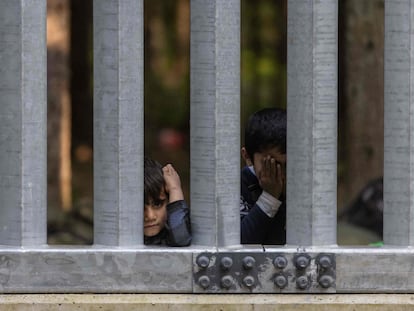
(158, 203)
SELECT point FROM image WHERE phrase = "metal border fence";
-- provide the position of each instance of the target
(216, 262)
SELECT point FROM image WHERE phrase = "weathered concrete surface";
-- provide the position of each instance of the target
(207, 302)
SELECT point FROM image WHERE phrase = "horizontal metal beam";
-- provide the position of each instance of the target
(94, 271)
(127, 302)
(149, 270)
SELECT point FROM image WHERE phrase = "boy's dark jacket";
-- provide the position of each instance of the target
(177, 230)
(256, 226)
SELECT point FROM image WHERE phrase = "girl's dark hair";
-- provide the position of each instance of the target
(153, 180)
(266, 128)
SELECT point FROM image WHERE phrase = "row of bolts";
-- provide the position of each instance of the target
(280, 262)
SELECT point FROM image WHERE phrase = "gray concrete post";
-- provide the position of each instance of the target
(215, 122)
(312, 122)
(118, 122)
(399, 123)
(23, 122)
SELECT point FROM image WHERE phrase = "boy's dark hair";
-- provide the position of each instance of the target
(153, 180)
(266, 128)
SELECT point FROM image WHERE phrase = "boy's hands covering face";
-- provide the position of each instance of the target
(269, 166)
(271, 176)
(172, 183)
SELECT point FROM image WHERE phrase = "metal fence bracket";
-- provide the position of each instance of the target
(264, 272)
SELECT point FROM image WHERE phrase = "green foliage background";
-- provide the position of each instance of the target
(263, 61)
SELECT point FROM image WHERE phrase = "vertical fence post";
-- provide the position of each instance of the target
(215, 121)
(118, 122)
(399, 123)
(23, 122)
(312, 122)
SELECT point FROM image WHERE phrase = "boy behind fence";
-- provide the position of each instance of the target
(263, 179)
(166, 215)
